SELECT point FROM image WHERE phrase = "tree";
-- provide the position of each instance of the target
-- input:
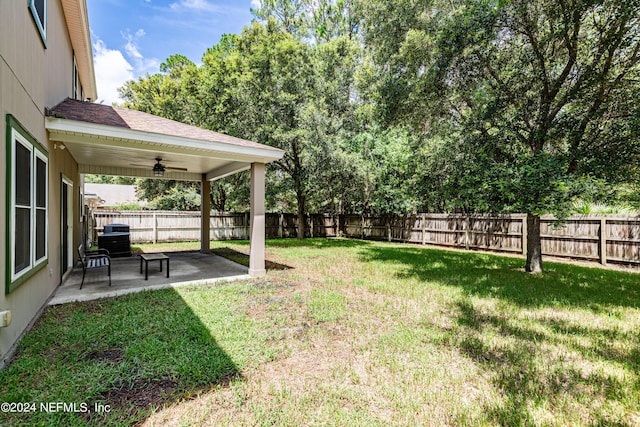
(317, 20)
(291, 15)
(269, 86)
(107, 179)
(543, 94)
(167, 93)
(231, 194)
(177, 199)
(385, 171)
(272, 78)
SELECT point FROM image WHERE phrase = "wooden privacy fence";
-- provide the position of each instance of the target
(172, 226)
(603, 238)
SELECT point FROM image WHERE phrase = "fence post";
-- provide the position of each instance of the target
(467, 224)
(311, 225)
(424, 228)
(524, 235)
(155, 228)
(388, 229)
(280, 225)
(362, 228)
(603, 241)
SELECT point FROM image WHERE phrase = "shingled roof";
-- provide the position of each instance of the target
(107, 115)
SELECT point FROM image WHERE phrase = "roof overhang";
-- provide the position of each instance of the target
(113, 150)
(77, 18)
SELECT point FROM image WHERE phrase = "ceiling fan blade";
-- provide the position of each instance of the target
(169, 168)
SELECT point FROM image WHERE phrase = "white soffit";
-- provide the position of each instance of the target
(112, 150)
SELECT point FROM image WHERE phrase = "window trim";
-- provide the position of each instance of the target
(16, 132)
(42, 26)
(39, 155)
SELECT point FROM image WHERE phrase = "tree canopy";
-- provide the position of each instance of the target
(397, 106)
(538, 97)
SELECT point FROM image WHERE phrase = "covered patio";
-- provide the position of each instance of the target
(187, 268)
(108, 140)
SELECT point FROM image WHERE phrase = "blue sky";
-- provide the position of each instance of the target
(133, 37)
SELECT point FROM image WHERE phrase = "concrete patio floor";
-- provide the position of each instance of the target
(186, 268)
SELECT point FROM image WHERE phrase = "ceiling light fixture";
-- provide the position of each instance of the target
(158, 169)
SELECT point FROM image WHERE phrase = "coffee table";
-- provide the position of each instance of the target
(152, 257)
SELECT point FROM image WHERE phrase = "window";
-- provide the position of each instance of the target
(75, 89)
(27, 177)
(39, 12)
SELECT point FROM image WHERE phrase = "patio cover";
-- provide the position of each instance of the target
(108, 140)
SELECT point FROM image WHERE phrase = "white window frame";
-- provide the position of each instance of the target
(39, 155)
(35, 153)
(42, 26)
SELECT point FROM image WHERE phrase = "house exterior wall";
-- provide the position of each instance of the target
(34, 77)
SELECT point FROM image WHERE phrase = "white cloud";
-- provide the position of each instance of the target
(112, 71)
(131, 47)
(141, 64)
(256, 3)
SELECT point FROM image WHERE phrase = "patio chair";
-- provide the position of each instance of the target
(94, 259)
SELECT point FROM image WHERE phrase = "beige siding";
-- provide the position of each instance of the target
(22, 50)
(33, 77)
(59, 58)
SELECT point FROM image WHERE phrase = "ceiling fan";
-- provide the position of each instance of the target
(159, 168)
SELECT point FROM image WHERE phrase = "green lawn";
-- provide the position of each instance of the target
(346, 332)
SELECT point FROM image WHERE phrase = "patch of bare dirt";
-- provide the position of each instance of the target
(144, 394)
(113, 355)
(313, 365)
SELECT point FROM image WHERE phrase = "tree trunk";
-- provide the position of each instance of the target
(219, 203)
(534, 247)
(301, 219)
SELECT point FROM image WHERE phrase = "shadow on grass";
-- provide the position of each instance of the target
(320, 242)
(243, 259)
(562, 285)
(317, 242)
(542, 362)
(131, 354)
(526, 383)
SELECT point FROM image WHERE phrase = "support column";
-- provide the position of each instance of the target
(257, 224)
(205, 215)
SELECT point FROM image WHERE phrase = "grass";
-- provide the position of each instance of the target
(346, 332)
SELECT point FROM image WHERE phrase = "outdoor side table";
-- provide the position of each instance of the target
(152, 257)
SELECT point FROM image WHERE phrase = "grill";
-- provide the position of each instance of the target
(116, 240)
